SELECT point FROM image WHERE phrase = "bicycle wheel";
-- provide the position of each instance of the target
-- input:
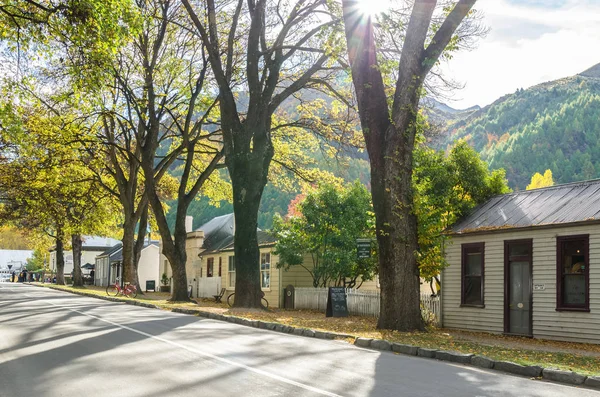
(265, 303)
(111, 290)
(132, 291)
(230, 299)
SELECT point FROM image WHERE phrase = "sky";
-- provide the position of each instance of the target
(529, 42)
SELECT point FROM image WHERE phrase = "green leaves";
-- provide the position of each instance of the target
(446, 188)
(329, 222)
(554, 125)
(46, 180)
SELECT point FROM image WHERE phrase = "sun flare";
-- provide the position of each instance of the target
(373, 7)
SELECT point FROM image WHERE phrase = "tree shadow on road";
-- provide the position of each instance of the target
(396, 374)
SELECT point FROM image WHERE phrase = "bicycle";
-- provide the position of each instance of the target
(263, 300)
(128, 290)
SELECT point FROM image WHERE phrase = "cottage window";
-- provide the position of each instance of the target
(265, 269)
(210, 264)
(472, 274)
(572, 281)
(220, 262)
(231, 271)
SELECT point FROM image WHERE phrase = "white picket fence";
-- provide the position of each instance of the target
(431, 308)
(360, 303)
(208, 287)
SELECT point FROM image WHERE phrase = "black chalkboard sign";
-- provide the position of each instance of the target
(336, 302)
(151, 285)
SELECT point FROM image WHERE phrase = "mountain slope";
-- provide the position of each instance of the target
(440, 113)
(554, 125)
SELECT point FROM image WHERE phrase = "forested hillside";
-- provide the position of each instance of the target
(275, 200)
(554, 125)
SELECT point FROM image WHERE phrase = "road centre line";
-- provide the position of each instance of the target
(205, 354)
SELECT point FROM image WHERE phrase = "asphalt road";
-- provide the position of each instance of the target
(57, 344)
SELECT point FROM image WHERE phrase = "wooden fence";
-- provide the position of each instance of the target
(207, 287)
(361, 303)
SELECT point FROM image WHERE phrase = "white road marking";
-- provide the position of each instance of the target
(205, 354)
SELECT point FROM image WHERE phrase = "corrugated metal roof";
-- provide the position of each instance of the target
(110, 251)
(116, 253)
(263, 238)
(556, 205)
(218, 235)
(218, 232)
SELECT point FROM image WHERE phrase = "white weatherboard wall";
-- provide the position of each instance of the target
(101, 272)
(547, 322)
(148, 266)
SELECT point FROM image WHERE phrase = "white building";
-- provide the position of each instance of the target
(109, 265)
(13, 259)
(528, 263)
(92, 247)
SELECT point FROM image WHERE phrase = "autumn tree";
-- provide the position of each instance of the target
(45, 184)
(446, 187)
(87, 31)
(538, 180)
(73, 44)
(37, 260)
(389, 126)
(159, 117)
(328, 223)
(112, 140)
(13, 239)
(261, 53)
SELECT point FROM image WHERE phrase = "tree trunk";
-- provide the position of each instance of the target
(139, 246)
(390, 147)
(248, 178)
(77, 244)
(247, 254)
(177, 256)
(397, 238)
(174, 249)
(128, 241)
(60, 260)
(179, 290)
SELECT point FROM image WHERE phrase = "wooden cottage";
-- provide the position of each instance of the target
(211, 263)
(528, 263)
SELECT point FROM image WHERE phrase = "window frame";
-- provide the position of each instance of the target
(231, 273)
(560, 306)
(210, 267)
(464, 249)
(264, 271)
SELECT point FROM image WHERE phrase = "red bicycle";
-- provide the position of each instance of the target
(127, 290)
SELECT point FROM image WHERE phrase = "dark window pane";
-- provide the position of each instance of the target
(574, 289)
(472, 290)
(573, 257)
(209, 267)
(518, 249)
(472, 274)
(573, 271)
(473, 265)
